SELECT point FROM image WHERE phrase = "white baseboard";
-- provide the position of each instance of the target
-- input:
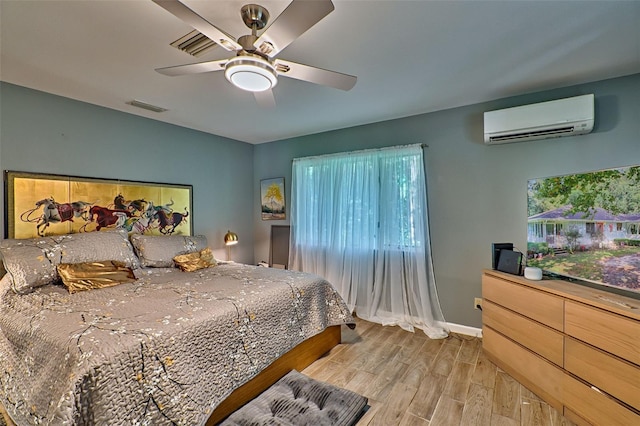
(465, 329)
(455, 328)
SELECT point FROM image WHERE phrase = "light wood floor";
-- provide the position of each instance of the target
(412, 380)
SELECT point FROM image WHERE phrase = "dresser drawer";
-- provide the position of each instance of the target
(605, 371)
(539, 338)
(534, 372)
(611, 332)
(595, 407)
(540, 306)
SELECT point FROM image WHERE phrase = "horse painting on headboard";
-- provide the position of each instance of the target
(44, 204)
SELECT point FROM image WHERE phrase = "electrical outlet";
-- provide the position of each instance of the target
(477, 303)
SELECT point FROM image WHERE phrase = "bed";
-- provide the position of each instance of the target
(171, 347)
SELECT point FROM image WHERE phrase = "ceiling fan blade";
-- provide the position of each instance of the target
(265, 98)
(198, 68)
(182, 12)
(294, 21)
(315, 75)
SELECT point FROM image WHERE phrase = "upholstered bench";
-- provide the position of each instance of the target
(299, 400)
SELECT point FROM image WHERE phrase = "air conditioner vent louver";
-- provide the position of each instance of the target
(529, 135)
(195, 43)
(562, 117)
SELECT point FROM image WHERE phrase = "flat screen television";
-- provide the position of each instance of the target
(586, 227)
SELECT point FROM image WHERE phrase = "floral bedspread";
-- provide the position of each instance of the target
(166, 349)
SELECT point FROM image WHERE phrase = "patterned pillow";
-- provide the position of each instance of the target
(157, 251)
(98, 246)
(32, 262)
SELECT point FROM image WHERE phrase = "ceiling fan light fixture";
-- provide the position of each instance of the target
(251, 73)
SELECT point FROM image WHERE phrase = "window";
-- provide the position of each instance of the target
(372, 199)
(535, 231)
(359, 220)
(554, 228)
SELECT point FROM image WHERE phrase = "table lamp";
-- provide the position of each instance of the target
(230, 239)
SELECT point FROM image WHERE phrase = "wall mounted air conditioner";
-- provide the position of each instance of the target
(552, 119)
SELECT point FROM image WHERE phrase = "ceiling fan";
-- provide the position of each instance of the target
(255, 67)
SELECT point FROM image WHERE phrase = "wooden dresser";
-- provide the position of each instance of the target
(576, 347)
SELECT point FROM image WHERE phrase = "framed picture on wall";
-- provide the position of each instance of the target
(44, 204)
(272, 199)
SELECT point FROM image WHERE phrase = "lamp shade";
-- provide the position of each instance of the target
(230, 238)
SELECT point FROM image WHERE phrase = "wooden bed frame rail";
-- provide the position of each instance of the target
(297, 358)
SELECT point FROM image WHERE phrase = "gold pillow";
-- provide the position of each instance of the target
(193, 261)
(92, 275)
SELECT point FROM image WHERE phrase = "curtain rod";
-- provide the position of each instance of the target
(421, 145)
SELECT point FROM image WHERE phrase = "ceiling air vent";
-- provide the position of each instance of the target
(195, 43)
(146, 106)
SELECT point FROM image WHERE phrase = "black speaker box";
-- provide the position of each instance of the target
(495, 252)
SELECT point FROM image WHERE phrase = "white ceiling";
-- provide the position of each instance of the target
(410, 57)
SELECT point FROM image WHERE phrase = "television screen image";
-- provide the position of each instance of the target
(587, 227)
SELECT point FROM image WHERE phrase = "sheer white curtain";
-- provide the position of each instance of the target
(360, 220)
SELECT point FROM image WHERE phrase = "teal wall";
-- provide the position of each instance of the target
(44, 133)
(477, 193)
